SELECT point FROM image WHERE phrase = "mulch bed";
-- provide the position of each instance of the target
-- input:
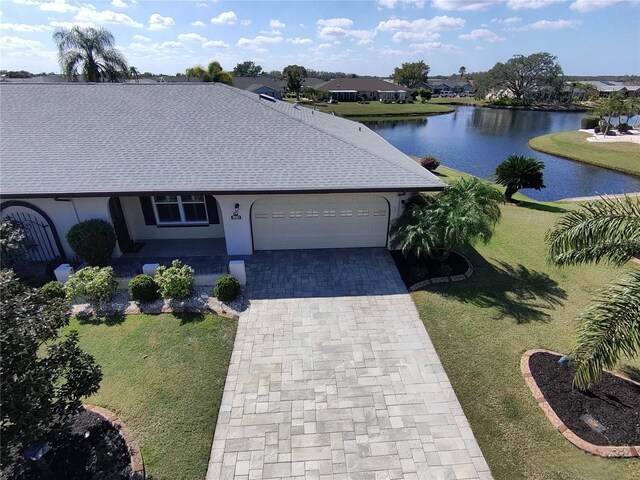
(90, 447)
(414, 270)
(613, 402)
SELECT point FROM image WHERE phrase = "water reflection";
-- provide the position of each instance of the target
(476, 140)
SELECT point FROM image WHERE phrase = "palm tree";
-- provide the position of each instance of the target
(461, 215)
(213, 73)
(517, 172)
(90, 51)
(462, 71)
(134, 73)
(605, 231)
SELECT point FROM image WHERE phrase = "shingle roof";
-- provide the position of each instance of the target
(93, 139)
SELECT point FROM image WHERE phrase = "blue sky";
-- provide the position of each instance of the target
(589, 37)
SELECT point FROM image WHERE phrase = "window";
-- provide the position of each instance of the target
(172, 209)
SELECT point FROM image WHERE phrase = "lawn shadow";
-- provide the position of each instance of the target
(542, 207)
(189, 317)
(515, 290)
(109, 320)
(632, 372)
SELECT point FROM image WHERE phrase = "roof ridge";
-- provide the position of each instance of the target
(252, 96)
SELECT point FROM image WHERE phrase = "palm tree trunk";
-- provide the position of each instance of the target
(509, 193)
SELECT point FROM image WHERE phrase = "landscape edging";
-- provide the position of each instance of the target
(137, 463)
(597, 450)
(445, 279)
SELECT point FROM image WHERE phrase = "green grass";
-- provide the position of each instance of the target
(515, 301)
(378, 109)
(164, 376)
(621, 156)
(457, 101)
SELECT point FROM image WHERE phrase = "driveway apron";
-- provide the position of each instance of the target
(334, 376)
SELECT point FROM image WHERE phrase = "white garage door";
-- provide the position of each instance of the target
(320, 221)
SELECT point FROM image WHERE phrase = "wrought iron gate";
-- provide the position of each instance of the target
(39, 245)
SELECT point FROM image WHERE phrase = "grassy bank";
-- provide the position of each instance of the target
(515, 301)
(383, 110)
(164, 376)
(620, 156)
(456, 101)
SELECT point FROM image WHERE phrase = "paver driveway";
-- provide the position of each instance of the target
(334, 376)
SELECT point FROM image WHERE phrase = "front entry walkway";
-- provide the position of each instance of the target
(334, 376)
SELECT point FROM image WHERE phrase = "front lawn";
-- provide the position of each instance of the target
(164, 376)
(514, 302)
(621, 156)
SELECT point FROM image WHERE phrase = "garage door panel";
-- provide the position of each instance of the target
(318, 221)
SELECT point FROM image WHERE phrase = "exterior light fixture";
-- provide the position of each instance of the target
(236, 213)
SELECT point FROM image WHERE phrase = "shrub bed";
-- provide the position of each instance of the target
(95, 284)
(143, 288)
(227, 288)
(413, 270)
(93, 241)
(53, 290)
(175, 282)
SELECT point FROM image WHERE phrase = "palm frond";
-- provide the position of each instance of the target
(608, 230)
(609, 329)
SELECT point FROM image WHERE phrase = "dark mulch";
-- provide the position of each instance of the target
(613, 402)
(102, 454)
(414, 270)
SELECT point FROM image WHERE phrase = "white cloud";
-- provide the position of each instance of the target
(276, 24)
(258, 41)
(162, 49)
(430, 47)
(197, 23)
(507, 20)
(215, 44)
(158, 22)
(591, 5)
(335, 22)
(86, 14)
(422, 29)
(58, 6)
(17, 43)
(118, 4)
(141, 38)
(201, 4)
(482, 34)
(245, 23)
(191, 37)
(300, 41)
(226, 18)
(531, 4)
(58, 24)
(550, 25)
(24, 28)
(464, 5)
(26, 2)
(395, 3)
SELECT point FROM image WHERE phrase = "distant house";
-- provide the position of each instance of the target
(438, 86)
(356, 89)
(606, 88)
(269, 86)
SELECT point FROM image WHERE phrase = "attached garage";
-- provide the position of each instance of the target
(320, 221)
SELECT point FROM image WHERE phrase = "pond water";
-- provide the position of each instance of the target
(477, 140)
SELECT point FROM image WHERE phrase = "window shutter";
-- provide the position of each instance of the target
(147, 211)
(212, 210)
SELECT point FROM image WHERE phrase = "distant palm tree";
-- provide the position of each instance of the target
(90, 51)
(464, 213)
(518, 172)
(213, 73)
(609, 231)
(462, 71)
(134, 73)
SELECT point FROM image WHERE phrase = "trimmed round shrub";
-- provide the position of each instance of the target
(93, 241)
(144, 288)
(95, 284)
(430, 162)
(623, 127)
(176, 281)
(53, 290)
(227, 288)
(588, 123)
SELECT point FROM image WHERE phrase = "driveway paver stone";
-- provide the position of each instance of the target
(334, 376)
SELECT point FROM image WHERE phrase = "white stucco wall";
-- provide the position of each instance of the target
(138, 230)
(66, 213)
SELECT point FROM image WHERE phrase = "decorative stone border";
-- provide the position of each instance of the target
(137, 463)
(447, 279)
(598, 450)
